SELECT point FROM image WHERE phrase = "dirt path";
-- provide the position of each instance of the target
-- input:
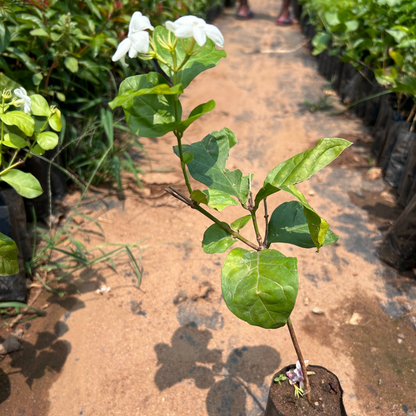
(173, 348)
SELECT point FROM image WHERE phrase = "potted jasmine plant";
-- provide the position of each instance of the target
(259, 283)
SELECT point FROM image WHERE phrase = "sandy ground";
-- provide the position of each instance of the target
(172, 347)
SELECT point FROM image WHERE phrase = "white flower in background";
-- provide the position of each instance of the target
(192, 26)
(23, 99)
(137, 40)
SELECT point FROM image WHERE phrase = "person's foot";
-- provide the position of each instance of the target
(284, 20)
(244, 14)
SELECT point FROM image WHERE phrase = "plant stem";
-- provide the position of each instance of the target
(412, 113)
(256, 228)
(11, 167)
(194, 205)
(301, 360)
(178, 134)
(266, 218)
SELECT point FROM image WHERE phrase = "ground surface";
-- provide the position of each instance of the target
(172, 347)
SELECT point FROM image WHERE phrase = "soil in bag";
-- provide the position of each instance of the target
(326, 394)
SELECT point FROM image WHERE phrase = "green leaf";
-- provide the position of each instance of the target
(289, 225)
(214, 199)
(207, 58)
(398, 35)
(25, 184)
(352, 26)
(260, 287)
(37, 150)
(240, 223)
(382, 78)
(397, 58)
(195, 114)
(187, 157)
(23, 57)
(19, 119)
(406, 43)
(208, 164)
(318, 227)
(37, 78)
(39, 106)
(126, 100)
(302, 166)
(332, 18)
(14, 141)
(60, 96)
(320, 42)
(217, 240)
(150, 115)
(4, 36)
(39, 32)
(55, 36)
(47, 140)
(97, 43)
(55, 120)
(7, 83)
(71, 63)
(8, 256)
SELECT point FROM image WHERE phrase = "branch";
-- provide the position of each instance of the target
(301, 360)
(266, 218)
(194, 205)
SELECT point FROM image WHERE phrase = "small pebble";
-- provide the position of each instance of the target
(401, 336)
(399, 340)
(317, 311)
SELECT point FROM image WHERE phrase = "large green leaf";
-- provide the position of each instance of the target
(217, 240)
(207, 58)
(19, 119)
(208, 164)
(195, 114)
(214, 199)
(301, 167)
(25, 184)
(288, 224)
(8, 256)
(260, 287)
(14, 141)
(39, 106)
(47, 140)
(149, 115)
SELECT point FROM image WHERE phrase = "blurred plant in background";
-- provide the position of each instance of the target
(376, 36)
(62, 50)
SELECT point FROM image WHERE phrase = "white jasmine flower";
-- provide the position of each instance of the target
(192, 26)
(24, 99)
(137, 40)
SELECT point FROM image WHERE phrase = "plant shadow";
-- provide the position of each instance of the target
(229, 383)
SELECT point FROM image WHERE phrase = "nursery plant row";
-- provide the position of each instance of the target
(366, 51)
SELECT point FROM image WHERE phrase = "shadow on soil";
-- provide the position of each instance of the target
(189, 358)
(43, 359)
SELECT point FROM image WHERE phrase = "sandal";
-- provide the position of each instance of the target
(281, 21)
(247, 16)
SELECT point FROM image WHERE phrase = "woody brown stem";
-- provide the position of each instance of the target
(301, 360)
